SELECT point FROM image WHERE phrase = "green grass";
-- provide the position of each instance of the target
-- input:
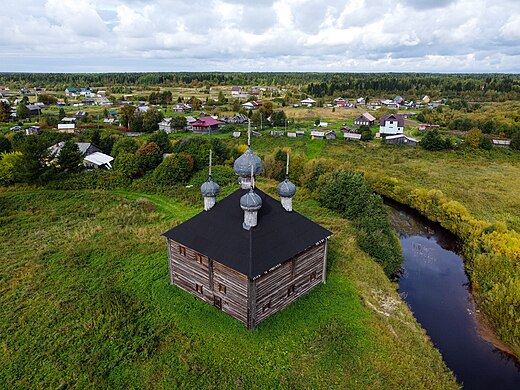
(86, 303)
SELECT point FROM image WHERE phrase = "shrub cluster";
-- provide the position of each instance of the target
(350, 194)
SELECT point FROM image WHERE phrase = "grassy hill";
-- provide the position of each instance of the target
(86, 303)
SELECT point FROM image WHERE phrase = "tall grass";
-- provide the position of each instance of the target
(86, 303)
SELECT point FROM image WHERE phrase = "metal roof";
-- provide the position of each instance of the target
(278, 236)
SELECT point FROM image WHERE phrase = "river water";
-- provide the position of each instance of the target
(436, 288)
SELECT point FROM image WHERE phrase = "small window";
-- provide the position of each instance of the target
(182, 250)
(221, 288)
(199, 258)
(290, 290)
(266, 307)
(312, 276)
(198, 287)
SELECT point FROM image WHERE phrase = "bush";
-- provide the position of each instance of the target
(127, 164)
(350, 194)
(474, 137)
(222, 174)
(127, 145)
(199, 148)
(515, 140)
(176, 168)
(433, 141)
(149, 156)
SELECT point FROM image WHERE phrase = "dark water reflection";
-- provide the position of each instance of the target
(435, 286)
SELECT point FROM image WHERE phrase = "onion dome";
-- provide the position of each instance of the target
(251, 201)
(286, 188)
(210, 188)
(245, 161)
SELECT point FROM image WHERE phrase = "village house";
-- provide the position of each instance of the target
(501, 142)
(205, 125)
(165, 125)
(66, 127)
(71, 92)
(34, 109)
(182, 107)
(340, 102)
(308, 102)
(365, 120)
(248, 255)
(391, 124)
(315, 134)
(330, 134)
(352, 136)
(252, 105)
(93, 157)
(400, 139)
(32, 130)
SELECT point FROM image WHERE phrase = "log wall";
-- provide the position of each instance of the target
(249, 301)
(291, 280)
(217, 280)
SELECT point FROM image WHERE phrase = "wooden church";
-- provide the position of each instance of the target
(249, 254)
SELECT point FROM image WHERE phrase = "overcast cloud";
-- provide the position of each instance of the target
(264, 35)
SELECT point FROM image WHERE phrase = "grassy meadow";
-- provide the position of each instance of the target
(86, 303)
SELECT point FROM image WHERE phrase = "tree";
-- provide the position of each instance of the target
(515, 140)
(151, 120)
(126, 114)
(34, 159)
(267, 109)
(366, 134)
(176, 168)
(107, 143)
(70, 158)
(221, 97)
(5, 144)
(161, 139)
(125, 145)
(96, 137)
(196, 103)
(62, 113)
(5, 112)
(474, 137)
(149, 156)
(47, 99)
(236, 105)
(9, 167)
(178, 122)
(432, 140)
(136, 122)
(278, 118)
(127, 164)
(22, 112)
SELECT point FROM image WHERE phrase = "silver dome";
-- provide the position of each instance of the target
(243, 164)
(210, 188)
(286, 188)
(251, 201)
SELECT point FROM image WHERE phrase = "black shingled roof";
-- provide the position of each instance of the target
(278, 236)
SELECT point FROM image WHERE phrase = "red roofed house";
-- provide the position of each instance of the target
(205, 125)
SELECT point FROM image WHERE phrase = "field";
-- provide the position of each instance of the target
(86, 303)
(485, 182)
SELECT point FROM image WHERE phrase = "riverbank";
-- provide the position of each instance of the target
(490, 250)
(435, 286)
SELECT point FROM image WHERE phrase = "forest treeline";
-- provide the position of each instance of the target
(488, 87)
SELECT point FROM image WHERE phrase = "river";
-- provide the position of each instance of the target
(436, 288)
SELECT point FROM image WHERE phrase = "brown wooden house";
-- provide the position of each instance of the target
(249, 254)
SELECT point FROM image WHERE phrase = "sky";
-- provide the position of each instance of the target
(260, 35)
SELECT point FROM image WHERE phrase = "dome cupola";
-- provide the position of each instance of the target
(209, 189)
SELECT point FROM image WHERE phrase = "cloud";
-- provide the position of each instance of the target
(284, 35)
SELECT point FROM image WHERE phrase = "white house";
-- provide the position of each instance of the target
(317, 134)
(308, 102)
(391, 124)
(98, 160)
